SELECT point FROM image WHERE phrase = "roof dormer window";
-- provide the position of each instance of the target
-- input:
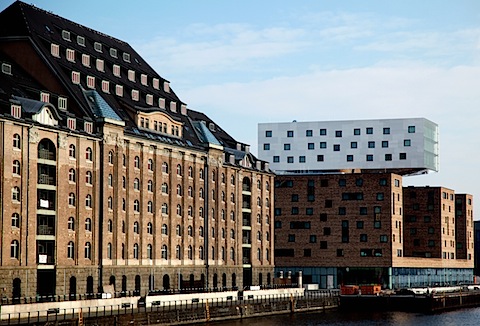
(71, 55)
(126, 57)
(105, 86)
(55, 50)
(97, 47)
(135, 95)
(62, 103)
(71, 123)
(100, 65)
(161, 103)
(16, 111)
(6, 68)
(116, 70)
(149, 99)
(119, 90)
(81, 40)
(86, 60)
(75, 77)
(88, 126)
(113, 53)
(66, 35)
(173, 106)
(166, 87)
(90, 82)
(144, 79)
(131, 75)
(156, 83)
(45, 97)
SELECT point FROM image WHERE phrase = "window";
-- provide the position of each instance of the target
(100, 64)
(385, 144)
(353, 144)
(320, 158)
(164, 252)
(179, 169)
(116, 70)
(407, 142)
(291, 238)
(388, 157)
(71, 55)
(86, 60)
(119, 90)
(276, 159)
(311, 146)
(309, 133)
(369, 158)
(323, 132)
(75, 77)
(16, 194)
(289, 133)
(131, 75)
(55, 50)
(105, 86)
(97, 46)
(349, 158)
(71, 175)
(135, 95)
(286, 147)
(88, 201)
(16, 141)
(81, 40)
(369, 130)
(136, 206)
(70, 250)
(135, 251)
(136, 228)
(88, 178)
(266, 147)
(402, 156)
(66, 35)
(290, 159)
(336, 148)
(16, 111)
(363, 237)
(360, 224)
(323, 245)
(113, 53)
(301, 159)
(16, 167)
(88, 154)
(411, 129)
(323, 144)
(386, 131)
(15, 220)
(88, 224)
(71, 199)
(268, 133)
(338, 133)
(356, 131)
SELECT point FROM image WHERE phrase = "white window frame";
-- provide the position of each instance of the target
(6, 68)
(116, 71)
(126, 57)
(131, 75)
(66, 35)
(70, 53)
(98, 47)
(156, 83)
(16, 111)
(85, 60)
(76, 77)
(45, 97)
(166, 86)
(72, 123)
(55, 50)
(149, 99)
(100, 65)
(135, 95)
(113, 53)
(62, 103)
(144, 79)
(119, 90)
(106, 86)
(91, 82)
(161, 103)
(80, 40)
(88, 126)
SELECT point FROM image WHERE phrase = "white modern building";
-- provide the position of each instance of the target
(406, 146)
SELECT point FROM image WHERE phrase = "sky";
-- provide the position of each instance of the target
(248, 62)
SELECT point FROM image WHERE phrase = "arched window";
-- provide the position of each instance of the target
(89, 154)
(259, 236)
(14, 249)
(223, 196)
(15, 220)
(259, 201)
(110, 226)
(213, 252)
(71, 223)
(71, 175)
(178, 252)
(200, 212)
(124, 182)
(190, 172)
(16, 167)
(223, 233)
(164, 252)
(71, 151)
(267, 254)
(200, 252)
(190, 211)
(190, 231)
(88, 201)
(259, 254)
(179, 190)
(232, 179)
(136, 206)
(124, 160)
(136, 184)
(110, 203)
(123, 251)
(190, 191)
(150, 165)
(135, 250)
(232, 234)
(267, 236)
(232, 254)
(150, 207)
(222, 214)
(149, 251)
(109, 250)
(267, 202)
(88, 178)
(16, 194)
(267, 186)
(223, 253)
(179, 230)
(164, 167)
(164, 188)
(259, 184)
(150, 186)
(124, 204)
(179, 169)
(70, 250)
(201, 194)
(110, 180)
(88, 224)
(164, 208)
(214, 175)
(164, 229)
(232, 216)
(190, 252)
(136, 228)
(136, 162)
(259, 218)
(17, 141)
(179, 210)
(200, 231)
(110, 157)
(88, 250)
(232, 197)
(123, 227)
(200, 174)
(223, 178)
(149, 228)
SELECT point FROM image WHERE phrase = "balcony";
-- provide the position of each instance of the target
(45, 179)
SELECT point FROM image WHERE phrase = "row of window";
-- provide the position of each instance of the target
(339, 133)
(324, 183)
(349, 158)
(324, 245)
(336, 147)
(327, 231)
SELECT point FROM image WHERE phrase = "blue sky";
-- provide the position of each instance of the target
(245, 62)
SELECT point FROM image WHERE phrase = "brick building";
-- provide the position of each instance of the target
(107, 178)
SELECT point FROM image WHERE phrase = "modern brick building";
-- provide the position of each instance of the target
(107, 178)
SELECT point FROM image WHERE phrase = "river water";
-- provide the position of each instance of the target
(464, 317)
